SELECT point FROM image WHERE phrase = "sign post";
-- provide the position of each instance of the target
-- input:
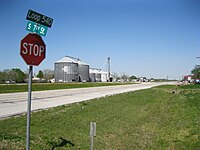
(29, 108)
(33, 51)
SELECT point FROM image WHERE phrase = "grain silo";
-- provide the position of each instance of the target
(83, 71)
(66, 70)
(92, 77)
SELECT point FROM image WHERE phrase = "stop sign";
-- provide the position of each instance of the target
(32, 49)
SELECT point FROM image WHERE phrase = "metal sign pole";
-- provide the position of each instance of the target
(29, 108)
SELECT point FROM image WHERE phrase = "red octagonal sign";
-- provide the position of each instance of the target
(32, 49)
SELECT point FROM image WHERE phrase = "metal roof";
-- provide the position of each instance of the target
(95, 70)
(82, 63)
(72, 59)
(66, 59)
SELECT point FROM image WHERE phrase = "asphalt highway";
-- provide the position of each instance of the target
(16, 103)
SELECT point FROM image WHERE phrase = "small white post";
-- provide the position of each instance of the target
(92, 134)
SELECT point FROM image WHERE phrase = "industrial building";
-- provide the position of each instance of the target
(98, 75)
(70, 69)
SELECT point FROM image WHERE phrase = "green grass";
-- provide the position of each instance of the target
(152, 119)
(51, 86)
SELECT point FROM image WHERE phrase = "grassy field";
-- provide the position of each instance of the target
(11, 88)
(146, 119)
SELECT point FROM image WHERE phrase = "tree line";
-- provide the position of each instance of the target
(16, 75)
(196, 72)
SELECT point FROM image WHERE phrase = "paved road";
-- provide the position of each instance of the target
(16, 103)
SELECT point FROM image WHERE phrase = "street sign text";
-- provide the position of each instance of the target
(39, 18)
(36, 28)
(29, 49)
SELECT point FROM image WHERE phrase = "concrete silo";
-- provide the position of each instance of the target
(66, 70)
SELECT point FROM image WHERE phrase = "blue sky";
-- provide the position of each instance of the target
(152, 38)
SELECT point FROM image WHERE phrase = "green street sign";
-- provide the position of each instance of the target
(39, 18)
(36, 28)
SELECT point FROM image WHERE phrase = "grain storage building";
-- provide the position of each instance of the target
(66, 70)
(70, 69)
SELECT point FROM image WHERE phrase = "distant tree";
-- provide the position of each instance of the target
(116, 76)
(2, 77)
(9, 75)
(125, 77)
(26, 72)
(133, 77)
(19, 75)
(48, 74)
(196, 72)
(40, 74)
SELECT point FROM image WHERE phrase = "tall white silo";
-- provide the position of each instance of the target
(66, 70)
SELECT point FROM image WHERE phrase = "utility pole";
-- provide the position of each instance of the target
(108, 69)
